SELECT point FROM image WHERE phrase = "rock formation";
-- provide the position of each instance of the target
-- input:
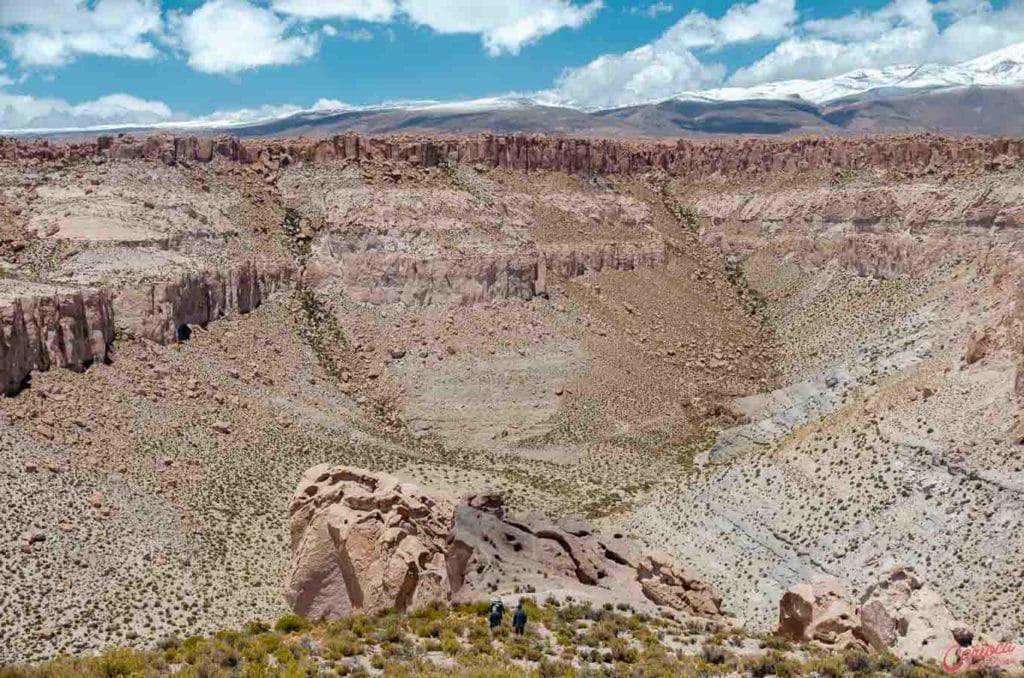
(821, 611)
(897, 614)
(162, 312)
(66, 329)
(693, 159)
(365, 542)
(488, 551)
(74, 329)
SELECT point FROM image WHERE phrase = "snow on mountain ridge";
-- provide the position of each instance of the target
(1002, 68)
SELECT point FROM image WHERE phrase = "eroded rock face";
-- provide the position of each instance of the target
(684, 158)
(821, 611)
(897, 614)
(161, 312)
(74, 329)
(70, 330)
(365, 542)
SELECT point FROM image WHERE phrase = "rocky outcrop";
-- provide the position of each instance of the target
(489, 551)
(692, 159)
(897, 614)
(364, 542)
(75, 329)
(819, 611)
(67, 329)
(162, 312)
(372, 275)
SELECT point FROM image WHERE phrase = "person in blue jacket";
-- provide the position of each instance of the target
(519, 619)
(497, 613)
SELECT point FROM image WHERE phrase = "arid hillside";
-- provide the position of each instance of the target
(774, 359)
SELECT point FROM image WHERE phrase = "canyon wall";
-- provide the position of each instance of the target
(162, 312)
(374, 276)
(66, 329)
(74, 329)
(684, 158)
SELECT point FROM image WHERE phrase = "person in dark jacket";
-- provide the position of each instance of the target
(496, 614)
(519, 619)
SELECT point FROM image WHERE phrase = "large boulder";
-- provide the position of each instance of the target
(490, 552)
(821, 611)
(899, 614)
(364, 542)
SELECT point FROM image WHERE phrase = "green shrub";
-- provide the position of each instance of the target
(291, 623)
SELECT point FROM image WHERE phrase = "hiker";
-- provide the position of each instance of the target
(497, 613)
(519, 620)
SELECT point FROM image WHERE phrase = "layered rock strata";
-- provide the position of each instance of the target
(372, 275)
(684, 158)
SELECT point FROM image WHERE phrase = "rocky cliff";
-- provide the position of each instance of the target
(74, 329)
(66, 329)
(162, 312)
(748, 157)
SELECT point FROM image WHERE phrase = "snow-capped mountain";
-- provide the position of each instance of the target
(1002, 68)
(983, 96)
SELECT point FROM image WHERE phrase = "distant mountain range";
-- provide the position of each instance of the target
(983, 96)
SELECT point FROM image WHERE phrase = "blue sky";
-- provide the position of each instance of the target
(69, 62)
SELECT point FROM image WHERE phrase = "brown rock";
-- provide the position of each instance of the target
(821, 611)
(902, 616)
(364, 542)
(978, 346)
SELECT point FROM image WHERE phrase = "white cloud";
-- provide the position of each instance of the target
(653, 10)
(54, 32)
(903, 32)
(361, 10)
(228, 36)
(329, 105)
(505, 26)
(659, 70)
(667, 66)
(760, 20)
(26, 112)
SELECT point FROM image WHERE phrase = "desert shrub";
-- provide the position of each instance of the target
(772, 663)
(714, 654)
(344, 644)
(291, 623)
(450, 643)
(775, 643)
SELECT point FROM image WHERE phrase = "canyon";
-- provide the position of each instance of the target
(773, 359)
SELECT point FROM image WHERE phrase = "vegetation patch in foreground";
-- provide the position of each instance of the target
(563, 639)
